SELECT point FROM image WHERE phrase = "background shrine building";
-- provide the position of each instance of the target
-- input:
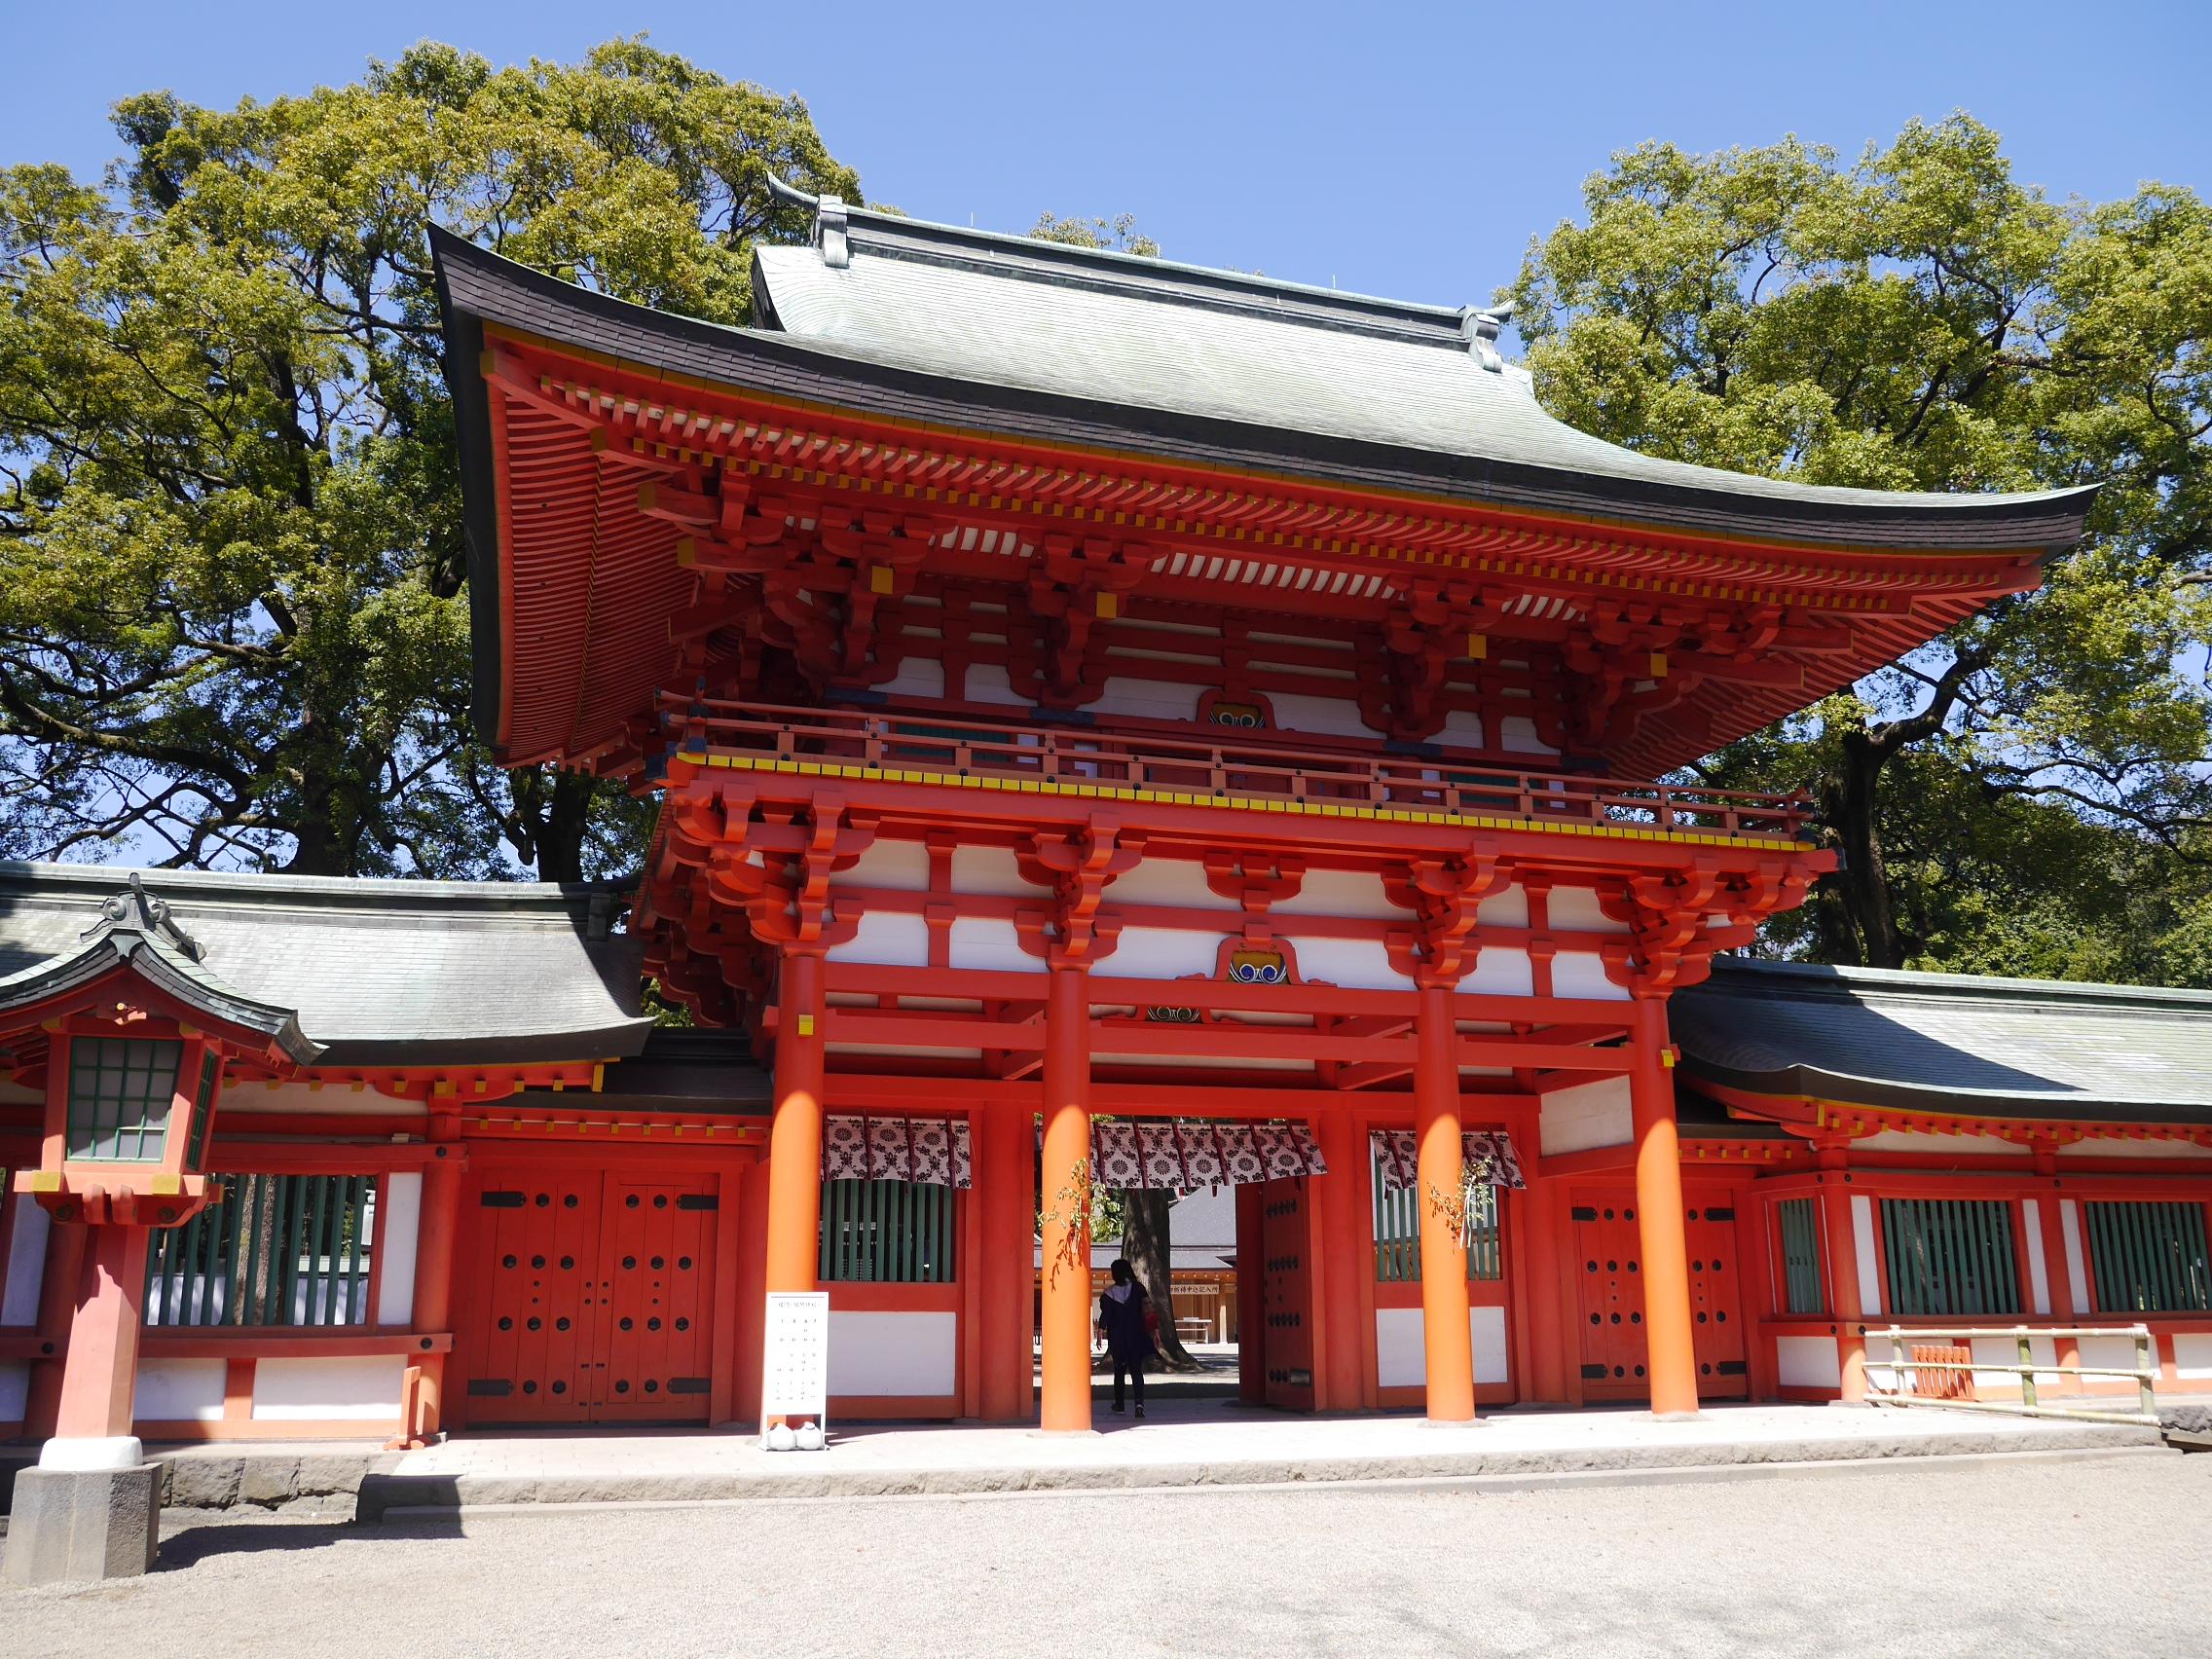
(1115, 723)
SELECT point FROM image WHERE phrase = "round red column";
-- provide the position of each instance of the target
(100, 1376)
(436, 1230)
(794, 1135)
(1659, 1219)
(1064, 1406)
(1448, 1342)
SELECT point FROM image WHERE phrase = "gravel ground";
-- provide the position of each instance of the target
(2104, 1556)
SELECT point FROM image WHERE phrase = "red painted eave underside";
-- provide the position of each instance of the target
(590, 584)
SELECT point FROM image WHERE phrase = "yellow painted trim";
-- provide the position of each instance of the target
(1231, 803)
(40, 1181)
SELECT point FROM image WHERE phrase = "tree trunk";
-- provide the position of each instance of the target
(1848, 803)
(1144, 1242)
(567, 815)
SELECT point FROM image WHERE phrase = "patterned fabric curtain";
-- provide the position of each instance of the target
(1489, 1156)
(931, 1152)
(1187, 1154)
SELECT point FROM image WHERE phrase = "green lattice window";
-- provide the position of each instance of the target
(1801, 1255)
(1950, 1256)
(886, 1233)
(2149, 1258)
(267, 1250)
(120, 1091)
(1397, 1233)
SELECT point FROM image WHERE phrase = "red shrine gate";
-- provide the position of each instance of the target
(1037, 737)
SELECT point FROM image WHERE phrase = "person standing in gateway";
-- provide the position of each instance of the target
(1127, 1320)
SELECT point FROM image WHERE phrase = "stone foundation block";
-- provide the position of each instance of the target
(78, 1526)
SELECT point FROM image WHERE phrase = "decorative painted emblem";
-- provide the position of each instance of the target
(1165, 1015)
(1250, 965)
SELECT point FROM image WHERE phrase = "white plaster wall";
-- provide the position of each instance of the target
(917, 677)
(2077, 1264)
(991, 872)
(1361, 964)
(1869, 1263)
(1582, 974)
(1161, 954)
(1517, 735)
(26, 1263)
(1401, 1358)
(1507, 909)
(362, 1387)
(2123, 1149)
(2192, 1357)
(1588, 1115)
(339, 1100)
(1340, 893)
(983, 942)
(1296, 712)
(400, 1220)
(1576, 908)
(894, 1353)
(1148, 699)
(1463, 726)
(1993, 1351)
(987, 682)
(1807, 1362)
(2116, 1352)
(180, 1390)
(1501, 971)
(1168, 881)
(15, 1391)
(2039, 1271)
(889, 937)
(903, 866)
(1938, 1146)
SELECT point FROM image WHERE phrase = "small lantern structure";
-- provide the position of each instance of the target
(136, 1033)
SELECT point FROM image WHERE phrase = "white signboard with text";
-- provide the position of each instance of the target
(795, 1366)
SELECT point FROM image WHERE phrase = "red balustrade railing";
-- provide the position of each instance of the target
(957, 746)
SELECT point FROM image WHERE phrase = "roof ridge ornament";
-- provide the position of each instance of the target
(140, 913)
(1480, 326)
(830, 220)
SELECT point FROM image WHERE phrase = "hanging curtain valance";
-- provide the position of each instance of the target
(1187, 1154)
(931, 1152)
(1489, 1156)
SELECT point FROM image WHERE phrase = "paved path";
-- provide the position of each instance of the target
(2100, 1555)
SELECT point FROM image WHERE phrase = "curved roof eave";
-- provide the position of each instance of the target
(172, 974)
(1812, 1083)
(477, 287)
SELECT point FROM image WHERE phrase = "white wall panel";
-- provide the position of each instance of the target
(1500, 972)
(1588, 1115)
(363, 1387)
(26, 1263)
(902, 865)
(2192, 1357)
(1147, 699)
(983, 941)
(1582, 974)
(1808, 1362)
(1329, 716)
(1161, 954)
(1869, 1263)
(1401, 1355)
(1575, 909)
(2077, 1264)
(1362, 964)
(894, 1353)
(399, 1221)
(987, 682)
(889, 937)
(917, 677)
(1168, 881)
(2038, 1274)
(991, 872)
(1340, 893)
(15, 1391)
(180, 1390)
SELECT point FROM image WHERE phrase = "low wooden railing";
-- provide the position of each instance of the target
(956, 747)
(1922, 1379)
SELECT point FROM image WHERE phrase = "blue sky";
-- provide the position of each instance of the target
(1408, 150)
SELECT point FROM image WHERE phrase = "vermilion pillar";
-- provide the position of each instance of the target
(795, 1136)
(1843, 1280)
(434, 1237)
(100, 1375)
(1006, 1195)
(1660, 1227)
(1441, 1171)
(1065, 1404)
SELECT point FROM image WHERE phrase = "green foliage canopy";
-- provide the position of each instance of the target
(229, 524)
(1917, 319)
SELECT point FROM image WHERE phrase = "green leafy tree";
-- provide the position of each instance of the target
(1916, 319)
(229, 526)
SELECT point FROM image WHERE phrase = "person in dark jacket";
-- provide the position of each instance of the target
(1124, 1319)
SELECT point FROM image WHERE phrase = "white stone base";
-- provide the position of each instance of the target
(82, 1453)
